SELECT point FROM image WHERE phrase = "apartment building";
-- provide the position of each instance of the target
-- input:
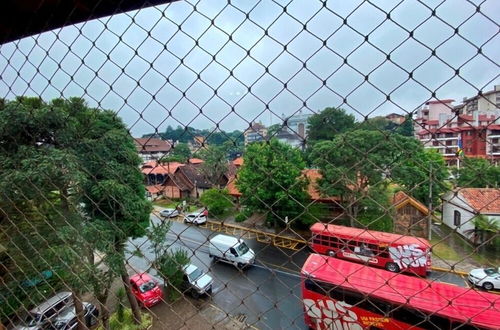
(256, 132)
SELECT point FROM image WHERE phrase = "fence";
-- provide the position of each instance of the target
(271, 116)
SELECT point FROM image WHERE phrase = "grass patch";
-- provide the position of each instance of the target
(442, 250)
(166, 203)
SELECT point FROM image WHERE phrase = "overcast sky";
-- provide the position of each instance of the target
(216, 62)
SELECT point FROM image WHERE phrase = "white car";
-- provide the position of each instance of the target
(195, 218)
(487, 278)
(196, 281)
(169, 213)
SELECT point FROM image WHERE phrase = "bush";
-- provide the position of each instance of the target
(128, 321)
(217, 201)
(240, 217)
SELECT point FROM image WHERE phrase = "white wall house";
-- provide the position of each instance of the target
(462, 205)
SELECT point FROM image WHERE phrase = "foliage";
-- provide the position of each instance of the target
(186, 134)
(216, 201)
(120, 308)
(378, 123)
(468, 173)
(270, 181)
(181, 152)
(357, 161)
(215, 164)
(485, 228)
(375, 209)
(419, 171)
(77, 169)
(170, 266)
(242, 215)
(128, 323)
(329, 123)
(406, 128)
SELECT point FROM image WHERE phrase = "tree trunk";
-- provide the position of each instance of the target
(104, 311)
(77, 300)
(131, 298)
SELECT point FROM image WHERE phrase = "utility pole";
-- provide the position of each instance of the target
(429, 220)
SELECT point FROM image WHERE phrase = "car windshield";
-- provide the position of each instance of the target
(491, 271)
(242, 249)
(195, 274)
(32, 319)
(147, 286)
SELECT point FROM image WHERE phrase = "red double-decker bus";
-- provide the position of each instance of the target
(393, 252)
(338, 294)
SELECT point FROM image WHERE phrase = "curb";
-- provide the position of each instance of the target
(445, 270)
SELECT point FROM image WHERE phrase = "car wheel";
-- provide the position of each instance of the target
(216, 258)
(488, 286)
(331, 253)
(240, 265)
(392, 267)
(195, 294)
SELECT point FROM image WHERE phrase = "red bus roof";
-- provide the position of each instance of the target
(455, 302)
(369, 236)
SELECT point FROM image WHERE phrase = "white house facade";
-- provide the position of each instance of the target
(461, 206)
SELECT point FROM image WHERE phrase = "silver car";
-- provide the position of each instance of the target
(42, 316)
(169, 213)
(196, 281)
(67, 320)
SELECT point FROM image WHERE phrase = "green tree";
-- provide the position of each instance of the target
(180, 152)
(270, 181)
(217, 201)
(357, 162)
(406, 128)
(485, 230)
(170, 267)
(471, 167)
(378, 123)
(79, 170)
(215, 164)
(329, 123)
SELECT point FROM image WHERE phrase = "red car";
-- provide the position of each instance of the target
(146, 290)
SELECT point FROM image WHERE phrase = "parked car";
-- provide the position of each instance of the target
(43, 315)
(67, 320)
(146, 290)
(487, 278)
(231, 250)
(169, 213)
(196, 281)
(195, 218)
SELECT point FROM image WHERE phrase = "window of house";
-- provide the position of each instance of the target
(456, 218)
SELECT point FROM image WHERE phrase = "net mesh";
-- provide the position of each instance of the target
(251, 164)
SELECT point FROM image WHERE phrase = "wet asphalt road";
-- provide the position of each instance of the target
(266, 295)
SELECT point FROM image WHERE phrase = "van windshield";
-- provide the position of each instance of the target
(242, 249)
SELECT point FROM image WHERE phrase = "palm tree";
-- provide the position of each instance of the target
(484, 229)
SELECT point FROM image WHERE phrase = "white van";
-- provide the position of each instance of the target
(231, 250)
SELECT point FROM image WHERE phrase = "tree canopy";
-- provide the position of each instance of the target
(468, 173)
(328, 123)
(75, 169)
(271, 182)
(356, 164)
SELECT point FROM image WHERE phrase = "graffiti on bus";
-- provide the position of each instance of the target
(410, 255)
(330, 314)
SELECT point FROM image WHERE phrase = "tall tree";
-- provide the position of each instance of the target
(79, 166)
(357, 162)
(469, 169)
(406, 128)
(215, 164)
(329, 123)
(271, 182)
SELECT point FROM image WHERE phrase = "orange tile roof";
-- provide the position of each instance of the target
(195, 161)
(238, 161)
(482, 200)
(155, 189)
(231, 187)
(313, 175)
(165, 168)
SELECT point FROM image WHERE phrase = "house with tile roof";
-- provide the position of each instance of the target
(410, 216)
(462, 205)
(151, 148)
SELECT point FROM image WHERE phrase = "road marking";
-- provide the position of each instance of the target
(289, 272)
